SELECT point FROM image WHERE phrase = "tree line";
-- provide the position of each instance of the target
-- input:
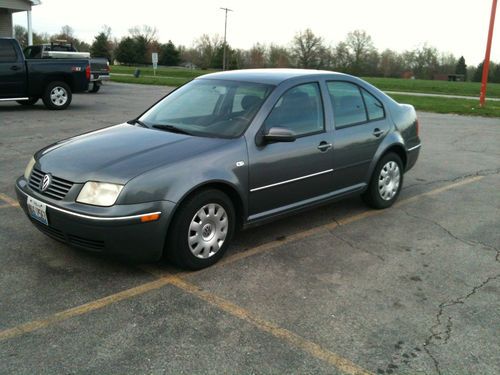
(356, 54)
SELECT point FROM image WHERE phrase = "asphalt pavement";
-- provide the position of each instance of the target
(414, 289)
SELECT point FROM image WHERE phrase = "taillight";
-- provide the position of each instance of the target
(87, 72)
(107, 66)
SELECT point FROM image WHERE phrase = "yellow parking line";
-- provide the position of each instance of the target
(11, 202)
(82, 309)
(310, 347)
(165, 279)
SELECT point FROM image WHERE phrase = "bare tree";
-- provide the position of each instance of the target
(361, 48)
(279, 57)
(341, 57)
(256, 56)
(147, 33)
(307, 49)
(207, 47)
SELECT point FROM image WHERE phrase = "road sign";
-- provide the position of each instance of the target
(154, 58)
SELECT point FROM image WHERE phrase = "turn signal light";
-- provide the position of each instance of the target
(150, 217)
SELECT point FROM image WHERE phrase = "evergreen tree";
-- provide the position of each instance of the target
(169, 54)
(478, 74)
(101, 47)
(461, 67)
(126, 51)
(495, 77)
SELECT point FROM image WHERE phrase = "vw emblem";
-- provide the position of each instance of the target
(47, 179)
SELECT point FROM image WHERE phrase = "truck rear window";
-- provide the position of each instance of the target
(7, 51)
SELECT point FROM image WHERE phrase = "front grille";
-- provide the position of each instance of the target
(58, 187)
(85, 242)
(50, 231)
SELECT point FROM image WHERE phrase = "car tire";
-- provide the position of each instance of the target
(30, 101)
(57, 96)
(201, 230)
(386, 182)
(95, 88)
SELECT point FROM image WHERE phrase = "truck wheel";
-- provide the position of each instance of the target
(30, 101)
(201, 230)
(95, 87)
(386, 182)
(57, 96)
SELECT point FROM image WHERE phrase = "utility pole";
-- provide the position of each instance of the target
(225, 31)
(486, 64)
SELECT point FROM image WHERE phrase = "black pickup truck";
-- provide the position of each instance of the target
(53, 80)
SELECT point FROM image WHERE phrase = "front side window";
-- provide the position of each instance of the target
(347, 103)
(300, 110)
(207, 107)
(7, 51)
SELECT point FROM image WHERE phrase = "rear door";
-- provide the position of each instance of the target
(360, 126)
(286, 174)
(12, 71)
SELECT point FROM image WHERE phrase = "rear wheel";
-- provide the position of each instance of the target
(386, 182)
(201, 230)
(57, 96)
(30, 101)
(95, 87)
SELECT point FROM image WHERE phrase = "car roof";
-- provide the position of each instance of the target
(269, 76)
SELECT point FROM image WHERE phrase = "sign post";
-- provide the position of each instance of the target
(154, 58)
(486, 63)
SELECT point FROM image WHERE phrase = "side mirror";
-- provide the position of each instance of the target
(276, 134)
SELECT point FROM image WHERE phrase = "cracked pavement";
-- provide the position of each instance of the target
(414, 289)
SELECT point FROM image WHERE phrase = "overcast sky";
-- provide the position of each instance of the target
(456, 26)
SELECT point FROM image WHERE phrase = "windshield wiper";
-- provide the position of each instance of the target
(171, 128)
(139, 122)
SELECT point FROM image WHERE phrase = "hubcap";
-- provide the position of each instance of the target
(388, 181)
(207, 230)
(58, 96)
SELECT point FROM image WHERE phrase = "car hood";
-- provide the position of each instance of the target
(119, 153)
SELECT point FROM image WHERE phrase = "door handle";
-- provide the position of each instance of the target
(323, 146)
(14, 67)
(377, 132)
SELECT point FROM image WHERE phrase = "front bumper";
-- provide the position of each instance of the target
(122, 234)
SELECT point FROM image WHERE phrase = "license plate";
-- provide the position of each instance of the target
(38, 210)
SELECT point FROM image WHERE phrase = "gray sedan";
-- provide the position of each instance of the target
(225, 151)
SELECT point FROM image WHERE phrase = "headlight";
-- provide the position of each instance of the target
(29, 168)
(99, 193)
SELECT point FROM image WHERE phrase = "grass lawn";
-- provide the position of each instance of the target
(448, 105)
(178, 76)
(434, 87)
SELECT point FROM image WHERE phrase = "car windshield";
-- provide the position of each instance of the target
(206, 107)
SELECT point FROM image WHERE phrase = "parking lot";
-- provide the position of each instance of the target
(338, 289)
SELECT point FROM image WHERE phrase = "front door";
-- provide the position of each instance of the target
(284, 174)
(12, 71)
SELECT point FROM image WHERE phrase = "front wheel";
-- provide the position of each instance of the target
(201, 230)
(386, 182)
(57, 96)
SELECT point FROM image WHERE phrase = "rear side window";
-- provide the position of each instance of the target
(347, 103)
(374, 107)
(7, 51)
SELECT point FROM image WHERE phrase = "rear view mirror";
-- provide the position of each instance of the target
(276, 134)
